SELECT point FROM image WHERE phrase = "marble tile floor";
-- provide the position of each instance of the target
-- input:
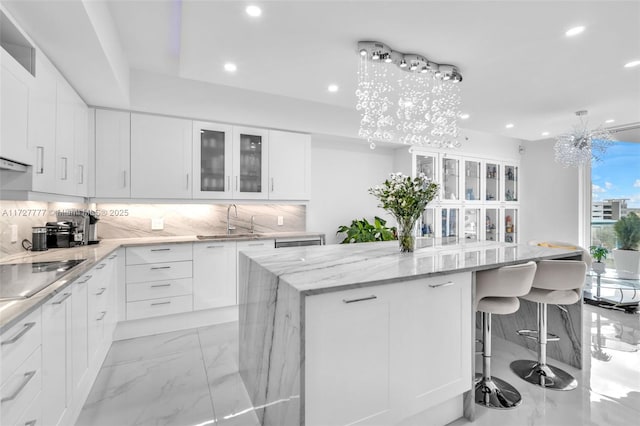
(191, 378)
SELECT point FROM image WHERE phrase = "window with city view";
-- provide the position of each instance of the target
(615, 191)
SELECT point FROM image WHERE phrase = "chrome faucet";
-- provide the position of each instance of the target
(229, 227)
(253, 223)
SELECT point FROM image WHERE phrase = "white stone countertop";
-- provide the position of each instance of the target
(14, 310)
(320, 269)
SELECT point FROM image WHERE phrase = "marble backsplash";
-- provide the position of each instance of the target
(134, 220)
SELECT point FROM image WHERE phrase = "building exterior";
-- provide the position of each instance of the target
(611, 209)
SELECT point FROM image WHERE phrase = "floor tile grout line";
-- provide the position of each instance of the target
(206, 373)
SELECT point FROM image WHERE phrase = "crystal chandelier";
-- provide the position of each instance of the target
(573, 149)
(406, 98)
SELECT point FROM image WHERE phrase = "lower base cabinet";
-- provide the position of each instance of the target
(214, 275)
(378, 355)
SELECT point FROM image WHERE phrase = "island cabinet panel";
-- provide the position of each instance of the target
(347, 358)
(378, 355)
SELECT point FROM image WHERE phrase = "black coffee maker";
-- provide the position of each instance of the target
(63, 234)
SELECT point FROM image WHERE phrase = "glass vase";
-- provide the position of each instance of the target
(406, 236)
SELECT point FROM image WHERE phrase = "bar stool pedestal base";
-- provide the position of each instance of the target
(546, 376)
(496, 393)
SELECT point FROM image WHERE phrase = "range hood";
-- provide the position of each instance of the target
(12, 165)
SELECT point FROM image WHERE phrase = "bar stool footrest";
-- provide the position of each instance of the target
(496, 393)
(533, 335)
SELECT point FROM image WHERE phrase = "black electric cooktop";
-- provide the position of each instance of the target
(22, 280)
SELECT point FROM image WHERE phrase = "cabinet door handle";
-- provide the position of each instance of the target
(100, 266)
(31, 423)
(160, 267)
(161, 285)
(161, 303)
(271, 184)
(256, 245)
(64, 169)
(187, 180)
(87, 278)
(113, 256)
(215, 246)
(28, 326)
(81, 167)
(237, 178)
(228, 183)
(40, 160)
(64, 297)
(101, 292)
(447, 284)
(27, 377)
(102, 315)
(124, 178)
(362, 299)
(161, 249)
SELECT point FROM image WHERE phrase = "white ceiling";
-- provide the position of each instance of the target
(517, 63)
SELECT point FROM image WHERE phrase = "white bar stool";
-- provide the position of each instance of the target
(497, 292)
(558, 282)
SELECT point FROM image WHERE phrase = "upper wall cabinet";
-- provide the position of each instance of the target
(113, 155)
(289, 166)
(16, 83)
(212, 160)
(160, 157)
(250, 163)
(67, 103)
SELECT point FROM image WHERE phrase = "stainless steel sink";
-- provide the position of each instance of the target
(228, 236)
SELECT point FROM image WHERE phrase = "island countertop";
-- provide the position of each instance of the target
(314, 270)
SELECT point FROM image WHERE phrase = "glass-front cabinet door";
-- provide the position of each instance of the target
(492, 224)
(449, 224)
(472, 175)
(492, 181)
(510, 183)
(450, 179)
(471, 224)
(510, 225)
(212, 155)
(250, 163)
(428, 223)
(426, 163)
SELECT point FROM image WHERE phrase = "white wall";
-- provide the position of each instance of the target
(549, 209)
(341, 174)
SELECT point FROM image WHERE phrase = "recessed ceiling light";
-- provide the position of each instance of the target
(509, 126)
(332, 88)
(632, 64)
(574, 31)
(611, 120)
(230, 67)
(253, 11)
(545, 133)
(464, 116)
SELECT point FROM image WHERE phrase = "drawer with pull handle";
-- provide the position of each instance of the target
(159, 253)
(20, 389)
(159, 307)
(20, 341)
(159, 289)
(159, 271)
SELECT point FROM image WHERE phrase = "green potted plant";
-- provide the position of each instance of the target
(598, 253)
(362, 231)
(627, 256)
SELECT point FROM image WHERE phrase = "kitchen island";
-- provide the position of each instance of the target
(364, 334)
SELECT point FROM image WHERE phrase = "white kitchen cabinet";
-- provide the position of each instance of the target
(214, 274)
(81, 149)
(493, 224)
(450, 178)
(250, 163)
(212, 160)
(433, 327)
(42, 127)
(493, 180)
(56, 357)
(159, 280)
(21, 372)
(381, 354)
(511, 225)
(510, 183)
(14, 110)
(99, 290)
(113, 153)
(472, 180)
(289, 166)
(347, 357)
(160, 157)
(79, 330)
(65, 134)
